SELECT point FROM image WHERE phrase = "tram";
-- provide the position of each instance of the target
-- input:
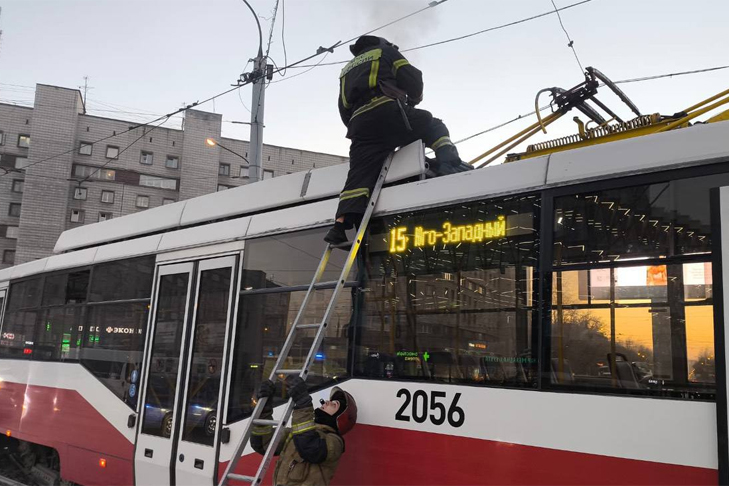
(554, 320)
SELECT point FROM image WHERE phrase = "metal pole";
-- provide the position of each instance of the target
(255, 173)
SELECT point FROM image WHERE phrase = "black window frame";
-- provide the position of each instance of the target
(87, 306)
(80, 193)
(81, 216)
(5, 257)
(12, 206)
(106, 191)
(16, 183)
(536, 316)
(224, 170)
(176, 165)
(21, 137)
(144, 155)
(83, 145)
(136, 201)
(547, 272)
(111, 147)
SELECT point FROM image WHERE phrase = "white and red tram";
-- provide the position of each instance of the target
(549, 321)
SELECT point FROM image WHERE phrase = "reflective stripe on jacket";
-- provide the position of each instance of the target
(379, 70)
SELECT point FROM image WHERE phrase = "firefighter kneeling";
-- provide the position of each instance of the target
(310, 450)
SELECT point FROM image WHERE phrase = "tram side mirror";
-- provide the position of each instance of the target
(131, 420)
(225, 435)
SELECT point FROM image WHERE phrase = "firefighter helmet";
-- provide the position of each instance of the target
(346, 416)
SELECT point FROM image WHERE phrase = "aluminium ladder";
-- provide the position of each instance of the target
(315, 285)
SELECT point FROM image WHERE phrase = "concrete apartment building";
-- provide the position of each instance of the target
(54, 177)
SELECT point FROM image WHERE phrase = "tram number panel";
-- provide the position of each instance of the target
(421, 406)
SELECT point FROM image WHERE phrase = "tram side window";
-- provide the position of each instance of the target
(112, 346)
(66, 288)
(123, 280)
(637, 313)
(265, 319)
(58, 335)
(19, 322)
(450, 295)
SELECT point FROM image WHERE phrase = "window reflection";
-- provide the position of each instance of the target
(207, 356)
(278, 265)
(286, 260)
(459, 308)
(638, 327)
(264, 321)
(654, 220)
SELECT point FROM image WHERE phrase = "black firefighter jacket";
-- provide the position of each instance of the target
(378, 75)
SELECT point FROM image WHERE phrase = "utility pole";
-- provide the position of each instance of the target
(260, 71)
(86, 89)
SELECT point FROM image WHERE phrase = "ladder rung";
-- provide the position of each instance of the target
(308, 326)
(265, 422)
(241, 477)
(288, 372)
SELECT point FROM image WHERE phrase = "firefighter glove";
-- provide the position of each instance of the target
(298, 392)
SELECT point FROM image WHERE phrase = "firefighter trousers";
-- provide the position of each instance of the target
(374, 135)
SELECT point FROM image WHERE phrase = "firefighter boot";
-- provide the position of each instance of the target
(449, 160)
(336, 234)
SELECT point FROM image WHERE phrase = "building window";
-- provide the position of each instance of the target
(85, 148)
(2, 138)
(77, 215)
(21, 162)
(223, 187)
(243, 171)
(142, 201)
(18, 186)
(172, 162)
(88, 172)
(9, 257)
(267, 174)
(80, 193)
(160, 182)
(24, 141)
(14, 210)
(11, 232)
(103, 216)
(107, 197)
(146, 158)
(224, 170)
(167, 201)
(112, 152)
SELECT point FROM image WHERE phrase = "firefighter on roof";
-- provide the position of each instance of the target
(378, 91)
(310, 450)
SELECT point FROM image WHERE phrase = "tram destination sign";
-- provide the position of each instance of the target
(404, 237)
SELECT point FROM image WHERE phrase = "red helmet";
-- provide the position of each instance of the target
(347, 414)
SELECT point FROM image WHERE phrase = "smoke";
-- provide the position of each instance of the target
(407, 33)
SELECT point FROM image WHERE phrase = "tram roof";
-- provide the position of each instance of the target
(308, 199)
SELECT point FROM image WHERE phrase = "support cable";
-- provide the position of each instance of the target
(570, 42)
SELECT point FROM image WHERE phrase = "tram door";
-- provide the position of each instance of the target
(178, 433)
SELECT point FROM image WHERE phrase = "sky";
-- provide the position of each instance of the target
(146, 58)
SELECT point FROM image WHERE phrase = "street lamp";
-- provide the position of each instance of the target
(212, 143)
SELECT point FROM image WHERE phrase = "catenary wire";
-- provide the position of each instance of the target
(319, 51)
(570, 42)
(283, 33)
(622, 81)
(270, 32)
(104, 165)
(466, 36)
